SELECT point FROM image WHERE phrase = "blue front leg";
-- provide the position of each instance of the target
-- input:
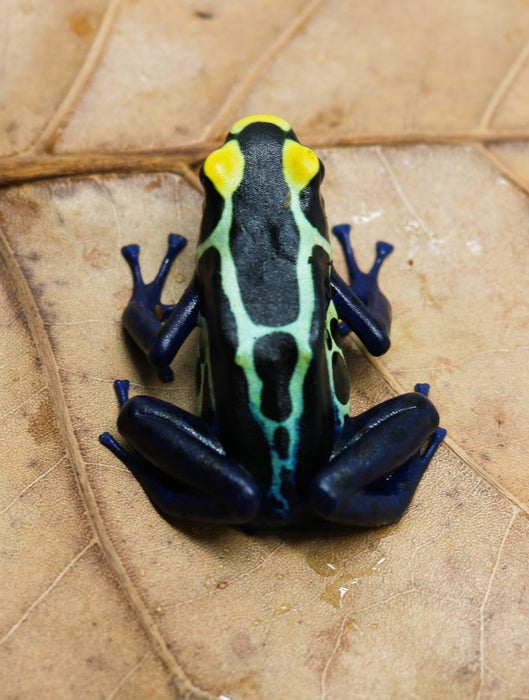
(158, 329)
(361, 305)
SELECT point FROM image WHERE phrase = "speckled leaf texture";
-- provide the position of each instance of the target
(420, 112)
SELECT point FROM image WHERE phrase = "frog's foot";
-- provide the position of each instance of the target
(362, 283)
(378, 462)
(184, 470)
(121, 387)
(145, 314)
(149, 295)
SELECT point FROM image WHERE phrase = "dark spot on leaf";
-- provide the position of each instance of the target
(82, 23)
(202, 14)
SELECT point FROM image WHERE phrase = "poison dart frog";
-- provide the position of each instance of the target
(274, 443)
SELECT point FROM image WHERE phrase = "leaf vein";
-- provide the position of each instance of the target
(486, 600)
(503, 86)
(30, 485)
(45, 593)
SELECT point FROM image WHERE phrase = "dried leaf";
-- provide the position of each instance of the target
(103, 598)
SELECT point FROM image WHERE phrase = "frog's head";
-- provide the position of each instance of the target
(263, 168)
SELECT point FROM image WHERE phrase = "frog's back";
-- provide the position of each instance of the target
(267, 354)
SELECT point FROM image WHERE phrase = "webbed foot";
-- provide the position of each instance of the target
(363, 284)
(145, 313)
(149, 295)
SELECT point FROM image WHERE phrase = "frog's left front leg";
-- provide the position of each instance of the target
(361, 305)
(159, 329)
(180, 464)
(378, 462)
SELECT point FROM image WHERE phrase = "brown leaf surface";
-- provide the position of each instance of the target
(101, 597)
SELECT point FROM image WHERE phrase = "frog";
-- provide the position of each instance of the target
(273, 442)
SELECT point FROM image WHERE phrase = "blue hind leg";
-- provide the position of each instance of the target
(180, 464)
(378, 462)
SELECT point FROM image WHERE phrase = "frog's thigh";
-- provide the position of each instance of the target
(378, 463)
(182, 467)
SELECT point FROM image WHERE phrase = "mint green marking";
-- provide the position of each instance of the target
(341, 410)
(248, 333)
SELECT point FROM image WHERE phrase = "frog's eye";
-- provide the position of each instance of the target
(300, 165)
(225, 168)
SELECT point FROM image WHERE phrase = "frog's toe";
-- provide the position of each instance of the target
(131, 252)
(176, 243)
(122, 387)
(384, 249)
(342, 232)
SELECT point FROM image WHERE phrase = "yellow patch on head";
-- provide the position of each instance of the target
(267, 118)
(225, 168)
(300, 165)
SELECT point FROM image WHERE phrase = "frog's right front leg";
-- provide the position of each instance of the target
(159, 329)
(180, 464)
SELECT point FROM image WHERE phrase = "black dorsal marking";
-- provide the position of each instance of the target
(281, 441)
(340, 378)
(275, 357)
(212, 209)
(264, 240)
